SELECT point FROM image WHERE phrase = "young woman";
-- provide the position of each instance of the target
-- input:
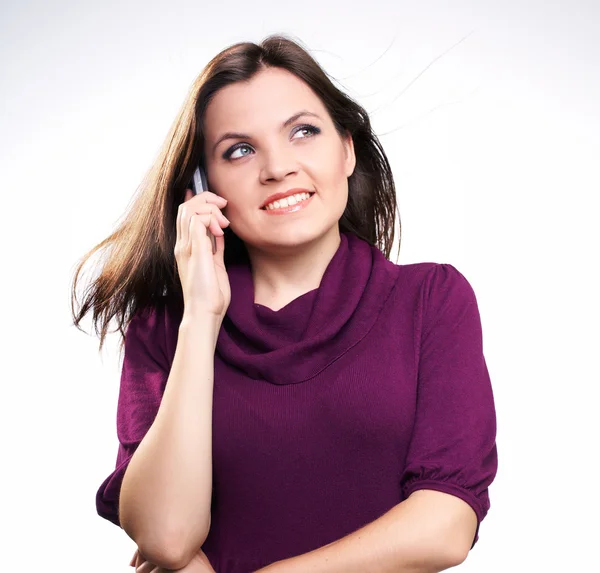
(292, 400)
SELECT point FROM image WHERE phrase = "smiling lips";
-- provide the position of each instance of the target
(289, 204)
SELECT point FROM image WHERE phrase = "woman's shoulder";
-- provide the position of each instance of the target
(157, 314)
(430, 272)
(156, 322)
(165, 313)
(425, 282)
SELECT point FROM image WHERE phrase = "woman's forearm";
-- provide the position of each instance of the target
(167, 489)
(427, 533)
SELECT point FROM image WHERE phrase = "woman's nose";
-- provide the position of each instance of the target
(277, 164)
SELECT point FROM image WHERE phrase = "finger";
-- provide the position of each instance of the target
(216, 227)
(223, 218)
(209, 215)
(220, 241)
(198, 232)
(146, 567)
(133, 561)
(189, 194)
(178, 220)
(187, 213)
(218, 220)
(213, 241)
(210, 196)
(211, 227)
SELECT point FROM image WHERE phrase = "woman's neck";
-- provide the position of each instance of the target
(280, 278)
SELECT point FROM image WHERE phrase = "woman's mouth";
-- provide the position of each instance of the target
(289, 204)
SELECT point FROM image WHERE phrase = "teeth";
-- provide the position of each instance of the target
(291, 200)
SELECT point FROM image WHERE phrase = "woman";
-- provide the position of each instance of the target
(292, 401)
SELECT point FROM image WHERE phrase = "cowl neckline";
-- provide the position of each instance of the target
(298, 341)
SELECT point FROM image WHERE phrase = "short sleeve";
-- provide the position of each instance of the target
(143, 379)
(453, 444)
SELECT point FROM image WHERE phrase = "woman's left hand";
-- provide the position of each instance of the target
(199, 564)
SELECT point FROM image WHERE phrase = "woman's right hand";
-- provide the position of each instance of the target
(203, 277)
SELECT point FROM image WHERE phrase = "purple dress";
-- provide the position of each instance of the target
(329, 411)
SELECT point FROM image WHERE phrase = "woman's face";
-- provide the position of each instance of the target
(257, 145)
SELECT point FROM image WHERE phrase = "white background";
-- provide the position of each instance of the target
(489, 113)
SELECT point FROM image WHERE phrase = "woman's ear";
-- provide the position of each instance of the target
(349, 155)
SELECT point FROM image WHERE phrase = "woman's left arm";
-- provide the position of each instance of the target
(452, 456)
(429, 532)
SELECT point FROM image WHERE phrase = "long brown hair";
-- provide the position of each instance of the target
(140, 269)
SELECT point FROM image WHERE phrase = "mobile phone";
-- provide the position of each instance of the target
(199, 184)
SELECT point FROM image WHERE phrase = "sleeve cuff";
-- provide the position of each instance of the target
(452, 489)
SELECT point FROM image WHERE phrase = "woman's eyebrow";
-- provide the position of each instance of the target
(233, 135)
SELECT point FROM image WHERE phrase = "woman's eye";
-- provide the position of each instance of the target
(229, 154)
(308, 131)
(311, 129)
